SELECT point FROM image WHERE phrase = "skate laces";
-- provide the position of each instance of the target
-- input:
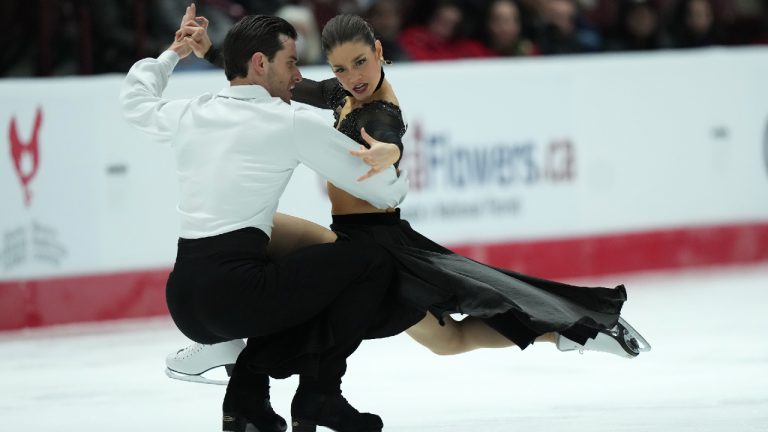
(189, 351)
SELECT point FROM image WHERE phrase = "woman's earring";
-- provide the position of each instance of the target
(388, 62)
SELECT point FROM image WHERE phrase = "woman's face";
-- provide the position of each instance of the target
(504, 23)
(445, 22)
(641, 22)
(700, 16)
(357, 67)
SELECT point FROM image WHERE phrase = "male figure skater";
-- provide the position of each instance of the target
(235, 152)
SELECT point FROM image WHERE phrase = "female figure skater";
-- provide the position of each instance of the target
(504, 308)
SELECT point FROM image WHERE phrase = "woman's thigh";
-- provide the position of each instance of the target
(291, 233)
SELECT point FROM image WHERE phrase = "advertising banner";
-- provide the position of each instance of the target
(560, 166)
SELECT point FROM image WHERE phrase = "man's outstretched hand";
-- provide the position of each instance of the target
(379, 156)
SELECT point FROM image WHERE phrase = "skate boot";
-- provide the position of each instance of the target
(190, 363)
(332, 411)
(257, 413)
(246, 403)
(622, 340)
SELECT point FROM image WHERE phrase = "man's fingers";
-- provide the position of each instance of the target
(363, 156)
(181, 35)
(365, 176)
(200, 21)
(190, 30)
(189, 14)
(191, 23)
(196, 47)
(360, 152)
(371, 172)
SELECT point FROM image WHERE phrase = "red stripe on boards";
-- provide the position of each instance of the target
(43, 302)
(627, 252)
(141, 293)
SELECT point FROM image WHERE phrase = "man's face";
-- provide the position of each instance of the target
(282, 72)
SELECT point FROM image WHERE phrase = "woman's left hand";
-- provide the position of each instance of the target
(379, 156)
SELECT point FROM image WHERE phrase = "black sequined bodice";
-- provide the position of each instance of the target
(382, 120)
(359, 117)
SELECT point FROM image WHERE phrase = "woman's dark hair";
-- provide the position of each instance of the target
(347, 28)
(252, 34)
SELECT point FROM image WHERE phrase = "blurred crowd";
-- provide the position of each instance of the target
(70, 37)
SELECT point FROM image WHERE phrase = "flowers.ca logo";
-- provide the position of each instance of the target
(437, 161)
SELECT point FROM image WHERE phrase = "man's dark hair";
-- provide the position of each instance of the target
(347, 28)
(252, 34)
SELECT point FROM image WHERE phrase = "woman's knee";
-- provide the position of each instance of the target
(443, 340)
(446, 348)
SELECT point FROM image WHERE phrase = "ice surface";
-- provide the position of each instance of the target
(708, 371)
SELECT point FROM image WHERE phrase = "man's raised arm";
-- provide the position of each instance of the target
(141, 94)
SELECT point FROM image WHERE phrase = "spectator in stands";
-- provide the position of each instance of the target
(761, 37)
(117, 38)
(441, 37)
(324, 10)
(308, 41)
(386, 19)
(164, 19)
(262, 7)
(603, 14)
(694, 24)
(502, 31)
(564, 32)
(18, 20)
(124, 31)
(639, 27)
(744, 22)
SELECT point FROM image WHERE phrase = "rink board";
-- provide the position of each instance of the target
(559, 167)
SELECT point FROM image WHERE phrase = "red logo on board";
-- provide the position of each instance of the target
(26, 151)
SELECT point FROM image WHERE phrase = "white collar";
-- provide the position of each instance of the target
(254, 91)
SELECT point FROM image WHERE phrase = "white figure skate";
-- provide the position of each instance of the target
(622, 340)
(190, 363)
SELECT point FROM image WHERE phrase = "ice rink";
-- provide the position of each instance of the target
(708, 371)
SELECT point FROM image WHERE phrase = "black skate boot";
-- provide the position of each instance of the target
(332, 411)
(259, 413)
(247, 402)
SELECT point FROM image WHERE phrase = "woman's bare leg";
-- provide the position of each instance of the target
(457, 337)
(290, 233)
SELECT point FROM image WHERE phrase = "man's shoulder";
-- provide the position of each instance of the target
(306, 114)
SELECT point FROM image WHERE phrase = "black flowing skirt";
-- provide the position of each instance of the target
(432, 279)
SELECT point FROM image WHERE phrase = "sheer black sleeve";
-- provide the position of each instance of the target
(214, 57)
(326, 94)
(383, 121)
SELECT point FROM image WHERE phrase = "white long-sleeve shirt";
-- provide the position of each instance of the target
(236, 150)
